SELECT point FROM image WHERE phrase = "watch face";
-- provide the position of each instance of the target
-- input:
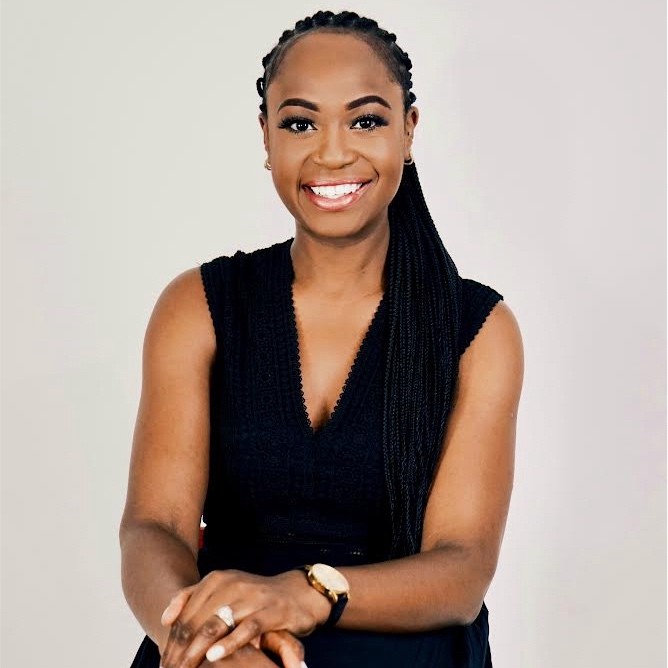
(331, 578)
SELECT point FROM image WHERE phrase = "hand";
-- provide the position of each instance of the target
(261, 604)
(246, 657)
(278, 642)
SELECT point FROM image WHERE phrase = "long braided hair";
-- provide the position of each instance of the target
(424, 295)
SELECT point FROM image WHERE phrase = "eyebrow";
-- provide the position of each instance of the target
(300, 102)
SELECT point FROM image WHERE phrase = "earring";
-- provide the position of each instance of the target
(266, 164)
(410, 160)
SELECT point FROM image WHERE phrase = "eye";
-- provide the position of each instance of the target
(378, 121)
(302, 123)
(294, 120)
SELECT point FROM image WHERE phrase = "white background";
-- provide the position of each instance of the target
(132, 151)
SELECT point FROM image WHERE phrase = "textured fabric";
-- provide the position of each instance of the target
(280, 494)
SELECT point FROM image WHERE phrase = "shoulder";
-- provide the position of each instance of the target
(475, 293)
(179, 324)
(188, 319)
(230, 281)
(492, 364)
(236, 270)
(477, 301)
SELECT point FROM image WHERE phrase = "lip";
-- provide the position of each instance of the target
(340, 203)
(335, 182)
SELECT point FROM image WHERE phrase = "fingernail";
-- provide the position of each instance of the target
(216, 652)
(303, 664)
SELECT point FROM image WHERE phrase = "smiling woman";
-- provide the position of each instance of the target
(339, 137)
(340, 405)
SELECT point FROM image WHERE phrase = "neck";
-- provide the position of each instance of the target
(340, 269)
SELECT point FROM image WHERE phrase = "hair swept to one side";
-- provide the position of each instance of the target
(424, 295)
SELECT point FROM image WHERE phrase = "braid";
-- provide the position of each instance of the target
(424, 298)
(422, 362)
(381, 41)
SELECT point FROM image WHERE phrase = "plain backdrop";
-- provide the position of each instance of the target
(131, 151)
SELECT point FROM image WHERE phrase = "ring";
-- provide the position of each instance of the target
(225, 613)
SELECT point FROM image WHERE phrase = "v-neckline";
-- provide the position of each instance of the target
(353, 371)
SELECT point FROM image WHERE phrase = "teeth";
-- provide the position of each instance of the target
(336, 191)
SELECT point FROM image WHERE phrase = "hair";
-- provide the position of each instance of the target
(424, 295)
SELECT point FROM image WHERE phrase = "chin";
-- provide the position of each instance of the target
(331, 229)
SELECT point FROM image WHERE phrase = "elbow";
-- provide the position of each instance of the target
(475, 569)
(476, 600)
(127, 523)
(480, 575)
(472, 607)
(125, 528)
(471, 613)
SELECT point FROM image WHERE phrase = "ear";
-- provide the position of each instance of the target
(265, 130)
(412, 117)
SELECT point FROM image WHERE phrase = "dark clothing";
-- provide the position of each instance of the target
(281, 495)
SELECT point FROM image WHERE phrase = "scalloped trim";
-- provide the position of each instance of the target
(204, 269)
(490, 308)
(331, 419)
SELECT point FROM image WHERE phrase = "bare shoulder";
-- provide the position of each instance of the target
(493, 364)
(181, 315)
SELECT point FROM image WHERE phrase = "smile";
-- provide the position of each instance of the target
(335, 198)
(333, 192)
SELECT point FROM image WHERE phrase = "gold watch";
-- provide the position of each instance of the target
(333, 584)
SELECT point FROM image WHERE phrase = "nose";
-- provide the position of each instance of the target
(333, 150)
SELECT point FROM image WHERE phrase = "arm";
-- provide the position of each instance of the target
(159, 530)
(445, 583)
(169, 470)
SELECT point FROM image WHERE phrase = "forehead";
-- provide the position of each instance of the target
(331, 68)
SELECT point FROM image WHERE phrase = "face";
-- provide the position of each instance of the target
(334, 116)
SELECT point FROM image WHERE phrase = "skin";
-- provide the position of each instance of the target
(338, 259)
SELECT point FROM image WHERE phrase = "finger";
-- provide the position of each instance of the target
(179, 638)
(171, 613)
(188, 621)
(213, 629)
(245, 657)
(286, 646)
(191, 639)
(249, 628)
(175, 605)
(169, 616)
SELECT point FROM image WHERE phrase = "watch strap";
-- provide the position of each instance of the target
(337, 610)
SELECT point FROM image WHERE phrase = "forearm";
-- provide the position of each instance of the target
(429, 590)
(155, 564)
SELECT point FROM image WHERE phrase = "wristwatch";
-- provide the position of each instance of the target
(333, 584)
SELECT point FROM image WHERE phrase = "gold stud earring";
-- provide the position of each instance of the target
(266, 164)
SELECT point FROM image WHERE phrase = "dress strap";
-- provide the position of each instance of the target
(478, 300)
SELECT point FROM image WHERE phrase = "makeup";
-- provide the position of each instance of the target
(336, 203)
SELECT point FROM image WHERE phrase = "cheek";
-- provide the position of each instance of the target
(389, 162)
(286, 168)
(288, 160)
(386, 155)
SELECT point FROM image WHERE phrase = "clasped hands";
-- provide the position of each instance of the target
(269, 612)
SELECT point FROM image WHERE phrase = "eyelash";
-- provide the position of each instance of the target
(287, 122)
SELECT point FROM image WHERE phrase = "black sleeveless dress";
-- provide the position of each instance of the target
(280, 494)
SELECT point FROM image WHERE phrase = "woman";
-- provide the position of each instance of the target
(341, 404)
